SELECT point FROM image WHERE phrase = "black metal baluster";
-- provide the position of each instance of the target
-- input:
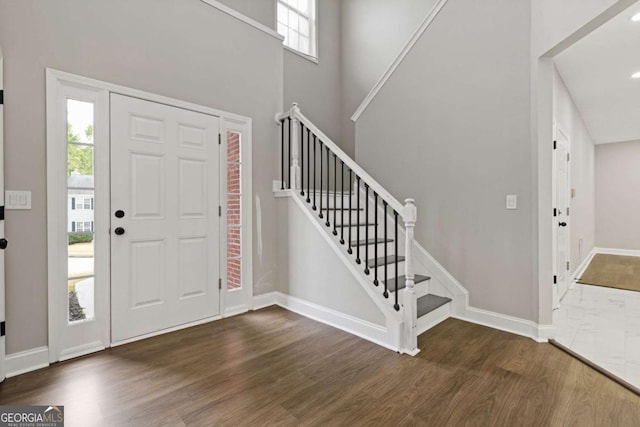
(375, 236)
(350, 250)
(282, 150)
(321, 157)
(358, 260)
(396, 305)
(328, 224)
(335, 191)
(342, 204)
(301, 159)
(315, 167)
(289, 153)
(366, 229)
(386, 276)
(308, 167)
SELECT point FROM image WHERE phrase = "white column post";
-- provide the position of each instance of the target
(410, 215)
(295, 147)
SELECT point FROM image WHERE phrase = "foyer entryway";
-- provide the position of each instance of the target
(141, 211)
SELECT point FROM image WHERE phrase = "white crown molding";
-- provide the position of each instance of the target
(403, 53)
(27, 361)
(239, 16)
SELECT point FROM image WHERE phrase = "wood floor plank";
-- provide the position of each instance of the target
(275, 368)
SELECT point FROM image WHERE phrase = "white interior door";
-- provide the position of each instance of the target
(2, 241)
(561, 220)
(165, 225)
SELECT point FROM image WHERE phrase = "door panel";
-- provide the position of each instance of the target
(562, 202)
(165, 177)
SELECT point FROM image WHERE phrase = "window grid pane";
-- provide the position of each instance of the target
(294, 24)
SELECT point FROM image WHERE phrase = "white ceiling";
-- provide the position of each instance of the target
(597, 71)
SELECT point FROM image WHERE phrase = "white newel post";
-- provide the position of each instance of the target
(410, 215)
(295, 147)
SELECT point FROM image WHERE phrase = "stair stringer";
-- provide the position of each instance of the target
(393, 338)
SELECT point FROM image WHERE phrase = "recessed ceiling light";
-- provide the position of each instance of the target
(635, 75)
(636, 17)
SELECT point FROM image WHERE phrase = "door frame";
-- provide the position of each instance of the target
(56, 81)
(3, 338)
(557, 130)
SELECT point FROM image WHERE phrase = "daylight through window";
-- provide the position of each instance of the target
(297, 23)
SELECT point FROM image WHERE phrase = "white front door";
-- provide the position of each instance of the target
(165, 225)
(561, 218)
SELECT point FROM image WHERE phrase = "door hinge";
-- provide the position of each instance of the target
(2, 329)
(1, 213)
(568, 265)
(1, 97)
(555, 212)
(555, 280)
(219, 283)
(568, 157)
(555, 144)
(220, 211)
(568, 210)
(219, 139)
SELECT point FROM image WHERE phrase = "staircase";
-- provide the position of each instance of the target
(373, 229)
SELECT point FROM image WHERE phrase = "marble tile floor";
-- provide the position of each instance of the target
(602, 325)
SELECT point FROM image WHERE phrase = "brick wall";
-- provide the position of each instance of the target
(234, 230)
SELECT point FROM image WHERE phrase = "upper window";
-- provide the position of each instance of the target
(297, 23)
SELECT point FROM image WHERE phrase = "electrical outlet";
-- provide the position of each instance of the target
(512, 201)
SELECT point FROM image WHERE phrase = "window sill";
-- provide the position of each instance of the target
(303, 55)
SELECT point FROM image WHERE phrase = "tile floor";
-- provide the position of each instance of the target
(603, 325)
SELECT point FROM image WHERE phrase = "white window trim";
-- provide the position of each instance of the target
(313, 39)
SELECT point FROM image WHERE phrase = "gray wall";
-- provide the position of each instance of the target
(311, 270)
(186, 50)
(618, 195)
(316, 87)
(582, 150)
(373, 34)
(451, 128)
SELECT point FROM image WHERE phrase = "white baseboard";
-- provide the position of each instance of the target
(265, 300)
(27, 361)
(358, 327)
(503, 322)
(613, 251)
(584, 264)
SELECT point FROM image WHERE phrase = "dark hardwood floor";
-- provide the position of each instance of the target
(273, 367)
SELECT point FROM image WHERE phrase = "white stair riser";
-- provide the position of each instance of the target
(430, 320)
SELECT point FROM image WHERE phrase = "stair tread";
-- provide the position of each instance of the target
(391, 285)
(430, 302)
(383, 261)
(370, 242)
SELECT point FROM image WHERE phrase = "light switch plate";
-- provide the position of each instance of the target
(17, 199)
(512, 201)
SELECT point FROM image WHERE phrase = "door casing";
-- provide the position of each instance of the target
(56, 191)
(557, 296)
